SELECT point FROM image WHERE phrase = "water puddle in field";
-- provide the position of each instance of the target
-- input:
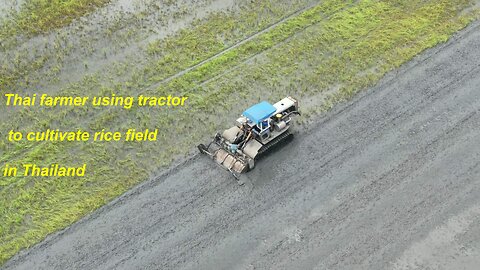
(9, 6)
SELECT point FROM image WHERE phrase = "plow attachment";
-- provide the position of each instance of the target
(228, 160)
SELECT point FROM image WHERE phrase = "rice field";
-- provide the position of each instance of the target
(224, 59)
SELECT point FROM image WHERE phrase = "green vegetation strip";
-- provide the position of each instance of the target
(331, 46)
(41, 16)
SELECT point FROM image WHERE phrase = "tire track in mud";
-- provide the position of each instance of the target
(246, 40)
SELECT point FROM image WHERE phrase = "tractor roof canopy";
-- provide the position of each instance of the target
(259, 112)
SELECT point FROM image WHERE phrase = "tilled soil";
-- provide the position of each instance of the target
(390, 180)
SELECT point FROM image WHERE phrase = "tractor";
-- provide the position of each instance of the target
(259, 129)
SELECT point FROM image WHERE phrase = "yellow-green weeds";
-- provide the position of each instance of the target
(41, 16)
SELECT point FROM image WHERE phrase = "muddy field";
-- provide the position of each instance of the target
(389, 180)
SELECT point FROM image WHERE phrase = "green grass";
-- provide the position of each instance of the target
(341, 45)
(40, 16)
(33, 18)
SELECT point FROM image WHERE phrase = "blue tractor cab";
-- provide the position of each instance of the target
(259, 115)
(259, 112)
